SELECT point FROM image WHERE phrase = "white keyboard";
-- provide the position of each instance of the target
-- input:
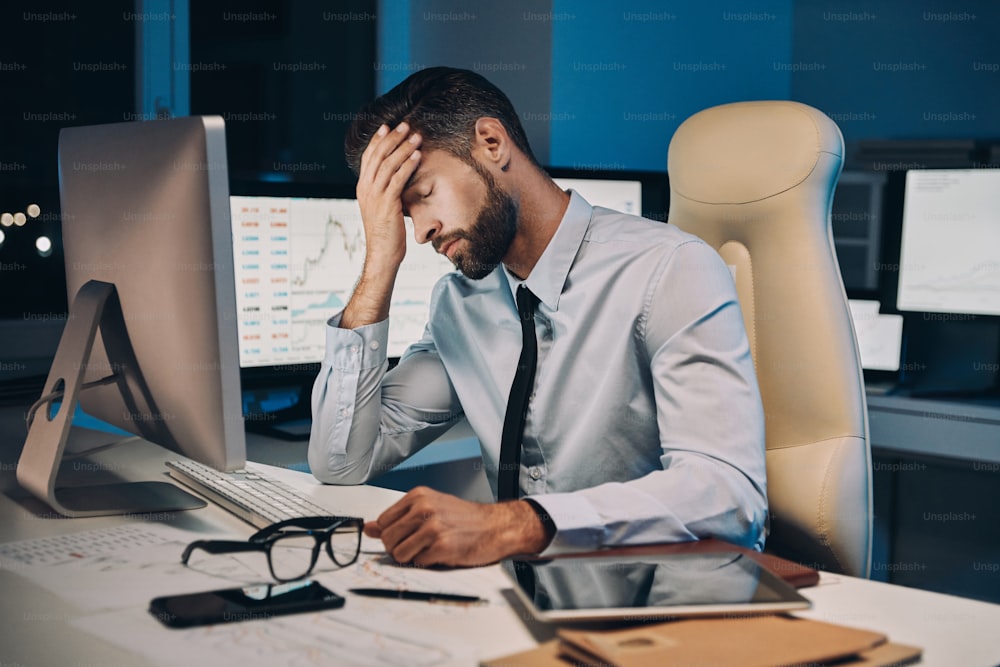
(254, 497)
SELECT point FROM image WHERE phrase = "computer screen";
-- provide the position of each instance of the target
(644, 193)
(149, 271)
(298, 259)
(624, 196)
(949, 258)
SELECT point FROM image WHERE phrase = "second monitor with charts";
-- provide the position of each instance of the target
(297, 261)
(299, 250)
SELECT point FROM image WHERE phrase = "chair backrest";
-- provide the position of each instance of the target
(756, 181)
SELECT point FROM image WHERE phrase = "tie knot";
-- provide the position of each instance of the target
(526, 302)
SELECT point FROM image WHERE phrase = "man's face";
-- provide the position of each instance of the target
(443, 195)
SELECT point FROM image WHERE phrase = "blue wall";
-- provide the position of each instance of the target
(393, 37)
(625, 75)
(603, 85)
(915, 69)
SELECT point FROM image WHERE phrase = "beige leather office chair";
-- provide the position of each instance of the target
(756, 181)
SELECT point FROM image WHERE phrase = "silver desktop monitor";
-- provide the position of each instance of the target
(150, 344)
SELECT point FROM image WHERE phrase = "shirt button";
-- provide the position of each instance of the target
(373, 345)
(355, 349)
(535, 474)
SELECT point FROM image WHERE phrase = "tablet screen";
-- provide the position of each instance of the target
(637, 588)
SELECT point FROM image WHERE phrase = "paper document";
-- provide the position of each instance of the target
(75, 546)
(366, 631)
(324, 638)
(121, 567)
(112, 574)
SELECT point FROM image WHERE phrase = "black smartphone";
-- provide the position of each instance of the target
(249, 603)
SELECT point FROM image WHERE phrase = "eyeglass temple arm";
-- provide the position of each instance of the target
(308, 523)
(219, 547)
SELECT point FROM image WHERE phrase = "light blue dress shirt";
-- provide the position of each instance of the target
(645, 424)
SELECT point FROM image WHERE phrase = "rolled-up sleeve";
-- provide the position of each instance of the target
(367, 420)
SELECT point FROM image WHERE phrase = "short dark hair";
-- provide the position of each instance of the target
(443, 105)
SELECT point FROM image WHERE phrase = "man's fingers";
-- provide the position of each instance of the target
(409, 548)
(394, 511)
(401, 176)
(386, 152)
(366, 157)
(398, 536)
(388, 163)
(395, 169)
(372, 529)
(427, 527)
(375, 142)
(407, 526)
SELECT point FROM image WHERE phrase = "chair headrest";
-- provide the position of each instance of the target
(752, 150)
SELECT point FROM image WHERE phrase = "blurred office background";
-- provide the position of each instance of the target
(599, 86)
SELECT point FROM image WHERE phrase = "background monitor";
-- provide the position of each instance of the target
(299, 251)
(624, 195)
(949, 259)
(145, 209)
(940, 269)
(645, 193)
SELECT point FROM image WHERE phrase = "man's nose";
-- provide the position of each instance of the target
(425, 228)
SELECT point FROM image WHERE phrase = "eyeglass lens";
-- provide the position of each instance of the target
(344, 544)
(294, 554)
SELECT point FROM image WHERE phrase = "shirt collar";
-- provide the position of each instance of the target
(549, 275)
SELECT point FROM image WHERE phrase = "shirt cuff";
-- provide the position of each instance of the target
(363, 348)
(578, 526)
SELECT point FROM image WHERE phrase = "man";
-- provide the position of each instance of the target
(644, 422)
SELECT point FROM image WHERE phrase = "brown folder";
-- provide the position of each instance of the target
(764, 641)
(759, 641)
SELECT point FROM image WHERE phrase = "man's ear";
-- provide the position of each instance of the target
(492, 144)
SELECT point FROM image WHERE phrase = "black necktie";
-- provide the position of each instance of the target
(517, 404)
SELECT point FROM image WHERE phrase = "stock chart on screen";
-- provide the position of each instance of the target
(297, 261)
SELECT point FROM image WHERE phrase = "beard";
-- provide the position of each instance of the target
(489, 237)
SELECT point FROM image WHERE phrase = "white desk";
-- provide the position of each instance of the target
(41, 628)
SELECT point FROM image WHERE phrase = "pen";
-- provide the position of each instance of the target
(416, 595)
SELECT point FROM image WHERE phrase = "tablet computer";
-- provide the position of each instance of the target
(644, 587)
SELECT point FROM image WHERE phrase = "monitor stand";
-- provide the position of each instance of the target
(96, 306)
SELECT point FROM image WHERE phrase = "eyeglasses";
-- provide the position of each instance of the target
(292, 546)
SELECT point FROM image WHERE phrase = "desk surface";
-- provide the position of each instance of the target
(43, 627)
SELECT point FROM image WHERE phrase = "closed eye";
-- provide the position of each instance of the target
(415, 199)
